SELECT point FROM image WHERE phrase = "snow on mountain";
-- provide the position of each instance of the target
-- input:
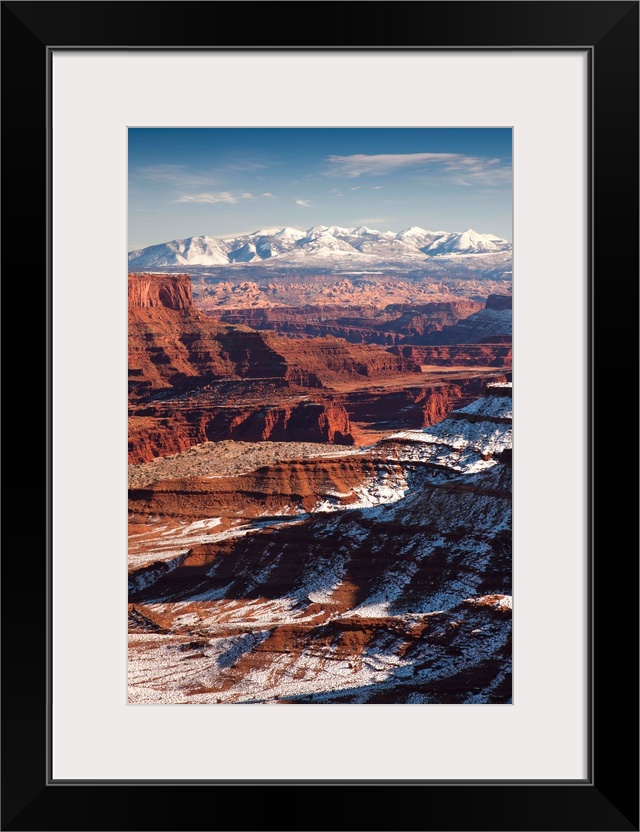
(339, 231)
(324, 242)
(410, 248)
(468, 242)
(419, 237)
(291, 234)
(414, 231)
(315, 232)
(244, 254)
(192, 251)
(268, 232)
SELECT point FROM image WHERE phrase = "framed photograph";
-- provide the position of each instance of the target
(191, 162)
(320, 416)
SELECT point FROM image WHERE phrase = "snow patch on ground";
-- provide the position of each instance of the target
(496, 407)
(381, 490)
(165, 543)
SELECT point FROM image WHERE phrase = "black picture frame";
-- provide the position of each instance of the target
(608, 798)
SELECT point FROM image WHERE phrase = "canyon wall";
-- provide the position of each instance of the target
(383, 577)
(174, 348)
(486, 354)
(163, 429)
(491, 324)
(394, 324)
(148, 291)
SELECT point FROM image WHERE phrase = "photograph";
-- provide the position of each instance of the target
(320, 415)
(340, 245)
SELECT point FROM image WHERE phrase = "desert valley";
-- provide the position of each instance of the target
(320, 468)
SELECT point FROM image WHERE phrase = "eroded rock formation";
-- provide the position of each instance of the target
(174, 347)
(486, 354)
(382, 577)
(193, 379)
(147, 291)
(168, 428)
(394, 324)
(491, 324)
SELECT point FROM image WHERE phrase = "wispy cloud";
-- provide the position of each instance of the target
(377, 188)
(304, 203)
(382, 163)
(185, 176)
(357, 188)
(489, 176)
(176, 175)
(371, 221)
(213, 198)
(268, 195)
(475, 168)
(241, 166)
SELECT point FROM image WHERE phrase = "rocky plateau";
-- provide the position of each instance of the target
(319, 492)
(194, 379)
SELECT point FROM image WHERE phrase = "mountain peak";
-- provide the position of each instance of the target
(266, 232)
(292, 233)
(331, 246)
(413, 231)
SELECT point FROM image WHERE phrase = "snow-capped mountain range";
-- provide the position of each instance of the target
(323, 245)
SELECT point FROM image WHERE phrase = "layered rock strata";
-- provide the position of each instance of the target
(491, 324)
(384, 576)
(193, 379)
(397, 323)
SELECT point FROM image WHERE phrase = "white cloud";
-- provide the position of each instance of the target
(175, 175)
(377, 188)
(357, 188)
(371, 221)
(242, 166)
(268, 195)
(304, 203)
(475, 168)
(211, 199)
(214, 198)
(382, 163)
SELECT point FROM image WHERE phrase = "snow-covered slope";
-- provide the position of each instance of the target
(399, 592)
(469, 440)
(362, 246)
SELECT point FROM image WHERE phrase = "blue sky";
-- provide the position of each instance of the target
(185, 182)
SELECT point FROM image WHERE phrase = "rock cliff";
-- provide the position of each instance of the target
(173, 347)
(167, 429)
(148, 291)
(492, 323)
(194, 379)
(394, 324)
(486, 354)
